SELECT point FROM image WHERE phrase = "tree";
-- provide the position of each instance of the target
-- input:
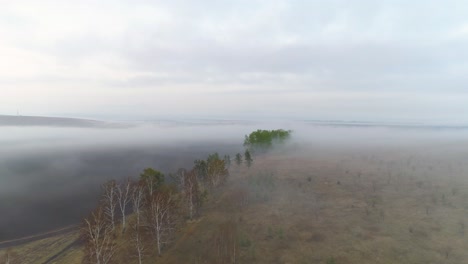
(138, 194)
(110, 201)
(160, 217)
(123, 195)
(238, 159)
(216, 170)
(178, 179)
(248, 158)
(191, 193)
(153, 179)
(201, 169)
(227, 160)
(214, 156)
(264, 139)
(138, 243)
(98, 237)
(225, 243)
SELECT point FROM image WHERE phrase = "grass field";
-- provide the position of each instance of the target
(378, 206)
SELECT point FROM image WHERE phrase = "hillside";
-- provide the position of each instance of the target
(9, 120)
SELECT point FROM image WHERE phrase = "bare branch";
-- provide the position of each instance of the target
(123, 195)
(110, 201)
(138, 193)
(98, 237)
(159, 216)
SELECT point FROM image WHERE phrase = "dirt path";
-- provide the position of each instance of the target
(23, 240)
(74, 243)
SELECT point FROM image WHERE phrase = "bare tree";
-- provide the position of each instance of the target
(158, 212)
(138, 243)
(98, 237)
(123, 195)
(225, 243)
(181, 177)
(227, 160)
(138, 194)
(110, 200)
(191, 193)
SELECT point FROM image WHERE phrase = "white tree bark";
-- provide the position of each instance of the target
(99, 238)
(110, 201)
(191, 193)
(123, 194)
(158, 213)
(137, 200)
(138, 243)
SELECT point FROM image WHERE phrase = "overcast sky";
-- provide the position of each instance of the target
(346, 60)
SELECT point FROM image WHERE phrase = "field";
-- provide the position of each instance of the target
(309, 204)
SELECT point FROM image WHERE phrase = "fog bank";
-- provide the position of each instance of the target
(50, 176)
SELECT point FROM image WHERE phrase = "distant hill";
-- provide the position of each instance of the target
(9, 120)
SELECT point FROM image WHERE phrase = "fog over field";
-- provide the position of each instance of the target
(50, 176)
(285, 131)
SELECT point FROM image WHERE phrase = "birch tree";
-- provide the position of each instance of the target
(179, 179)
(110, 201)
(138, 243)
(227, 160)
(225, 243)
(191, 193)
(159, 217)
(138, 194)
(98, 238)
(123, 195)
(216, 171)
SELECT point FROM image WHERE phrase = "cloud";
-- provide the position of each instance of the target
(64, 57)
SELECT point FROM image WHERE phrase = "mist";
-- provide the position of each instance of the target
(50, 177)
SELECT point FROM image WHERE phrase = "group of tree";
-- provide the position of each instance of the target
(239, 159)
(264, 139)
(158, 206)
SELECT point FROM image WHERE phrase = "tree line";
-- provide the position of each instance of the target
(152, 207)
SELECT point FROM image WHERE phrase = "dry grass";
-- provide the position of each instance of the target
(343, 208)
(41, 251)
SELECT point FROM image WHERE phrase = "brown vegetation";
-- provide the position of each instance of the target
(337, 207)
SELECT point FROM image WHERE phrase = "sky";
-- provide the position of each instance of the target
(275, 59)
